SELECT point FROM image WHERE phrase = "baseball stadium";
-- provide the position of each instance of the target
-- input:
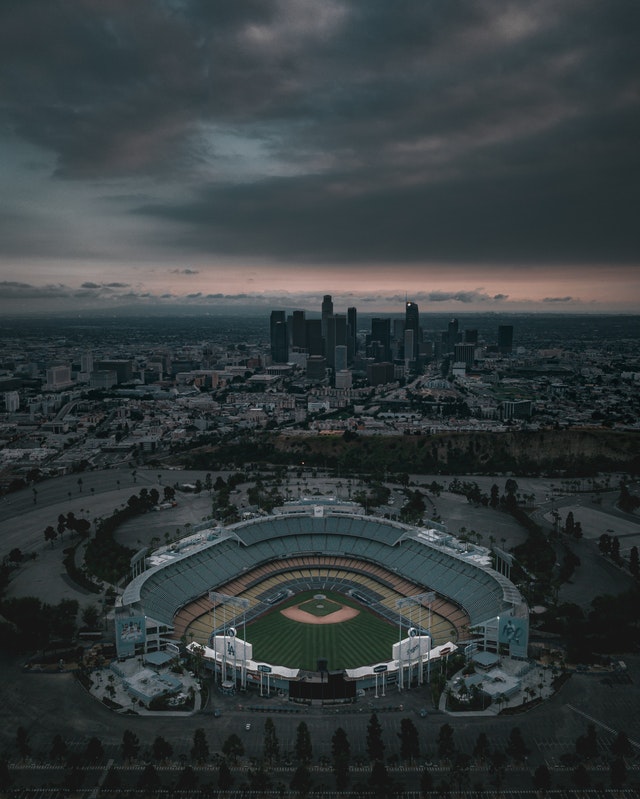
(318, 602)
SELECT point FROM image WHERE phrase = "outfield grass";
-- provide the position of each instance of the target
(360, 641)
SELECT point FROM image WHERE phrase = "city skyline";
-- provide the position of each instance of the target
(468, 156)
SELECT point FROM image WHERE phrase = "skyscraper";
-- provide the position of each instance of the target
(352, 333)
(412, 322)
(298, 330)
(279, 337)
(314, 336)
(327, 311)
(336, 336)
(505, 338)
(381, 332)
(452, 334)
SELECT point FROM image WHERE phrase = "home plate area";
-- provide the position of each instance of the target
(320, 610)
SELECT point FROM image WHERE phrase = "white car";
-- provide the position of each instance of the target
(247, 726)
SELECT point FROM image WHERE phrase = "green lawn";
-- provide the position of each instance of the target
(363, 640)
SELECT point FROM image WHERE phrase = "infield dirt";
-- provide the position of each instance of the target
(344, 614)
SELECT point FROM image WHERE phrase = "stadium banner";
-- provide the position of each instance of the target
(230, 647)
(412, 648)
(130, 631)
(515, 633)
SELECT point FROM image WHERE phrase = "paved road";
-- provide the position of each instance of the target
(57, 704)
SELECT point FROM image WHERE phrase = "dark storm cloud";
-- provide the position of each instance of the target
(12, 290)
(479, 131)
(558, 299)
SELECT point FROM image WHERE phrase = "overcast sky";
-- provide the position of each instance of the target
(471, 155)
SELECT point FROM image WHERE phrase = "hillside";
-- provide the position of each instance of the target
(575, 451)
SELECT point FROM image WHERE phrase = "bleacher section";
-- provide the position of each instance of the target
(236, 563)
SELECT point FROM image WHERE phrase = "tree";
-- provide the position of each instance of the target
(22, 743)
(494, 501)
(621, 747)
(130, 745)
(516, 747)
(459, 770)
(634, 562)
(618, 773)
(5, 776)
(340, 754)
(587, 745)
(161, 749)
(225, 777)
(303, 749)
(426, 783)
(233, 748)
(409, 741)
(569, 523)
(301, 780)
(379, 778)
(481, 750)
(446, 746)
(497, 768)
(112, 780)
(259, 780)
(200, 748)
(375, 744)
(58, 749)
(542, 778)
(94, 751)
(615, 548)
(271, 749)
(187, 780)
(50, 535)
(510, 489)
(149, 779)
(580, 777)
(90, 616)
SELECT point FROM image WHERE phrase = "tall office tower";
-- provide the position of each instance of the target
(452, 334)
(86, 362)
(279, 337)
(381, 332)
(314, 336)
(336, 336)
(340, 357)
(412, 322)
(352, 333)
(505, 338)
(298, 330)
(471, 336)
(316, 367)
(465, 353)
(409, 349)
(327, 311)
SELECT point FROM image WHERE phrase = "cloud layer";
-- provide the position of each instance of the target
(333, 133)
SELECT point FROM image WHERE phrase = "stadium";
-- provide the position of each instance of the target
(318, 602)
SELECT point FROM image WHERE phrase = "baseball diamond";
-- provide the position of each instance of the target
(313, 562)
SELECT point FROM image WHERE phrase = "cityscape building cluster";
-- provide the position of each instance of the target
(81, 396)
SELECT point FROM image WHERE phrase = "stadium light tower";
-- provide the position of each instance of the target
(416, 601)
(237, 606)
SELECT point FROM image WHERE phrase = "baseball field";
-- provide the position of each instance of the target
(363, 639)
